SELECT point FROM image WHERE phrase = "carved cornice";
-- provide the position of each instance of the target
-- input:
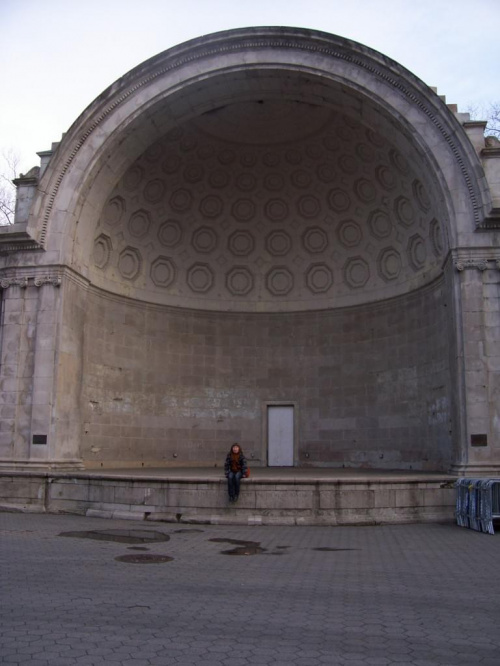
(491, 152)
(20, 246)
(26, 280)
(491, 221)
(15, 238)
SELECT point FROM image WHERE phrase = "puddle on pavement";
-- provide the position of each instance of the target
(242, 547)
(244, 550)
(247, 547)
(333, 550)
(187, 531)
(144, 559)
(236, 542)
(120, 536)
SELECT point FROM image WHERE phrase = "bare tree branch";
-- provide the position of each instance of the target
(8, 171)
(493, 126)
(490, 113)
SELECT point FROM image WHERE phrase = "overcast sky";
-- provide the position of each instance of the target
(58, 55)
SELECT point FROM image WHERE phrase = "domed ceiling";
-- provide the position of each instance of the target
(270, 206)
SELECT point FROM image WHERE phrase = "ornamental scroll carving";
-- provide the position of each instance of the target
(9, 282)
(37, 281)
(480, 264)
(54, 280)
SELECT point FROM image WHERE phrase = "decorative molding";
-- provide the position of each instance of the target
(5, 283)
(15, 238)
(54, 280)
(37, 280)
(480, 264)
(491, 221)
(19, 246)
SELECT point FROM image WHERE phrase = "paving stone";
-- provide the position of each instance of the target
(14, 658)
(406, 598)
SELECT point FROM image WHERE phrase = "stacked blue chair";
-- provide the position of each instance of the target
(478, 503)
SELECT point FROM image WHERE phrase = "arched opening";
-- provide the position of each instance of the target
(279, 238)
(256, 218)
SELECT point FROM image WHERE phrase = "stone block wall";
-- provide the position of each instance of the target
(320, 501)
(370, 384)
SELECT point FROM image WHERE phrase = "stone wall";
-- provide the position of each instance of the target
(371, 385)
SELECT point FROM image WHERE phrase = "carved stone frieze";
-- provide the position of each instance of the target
(54, 280)
(9, 282)
(481, 264)
(36, 280)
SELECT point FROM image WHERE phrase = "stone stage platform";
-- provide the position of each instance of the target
(272, 496)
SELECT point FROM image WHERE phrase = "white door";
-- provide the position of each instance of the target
(280, 436)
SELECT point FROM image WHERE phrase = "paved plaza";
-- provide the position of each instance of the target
(234, 595)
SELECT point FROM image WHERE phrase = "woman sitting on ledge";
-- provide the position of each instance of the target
(235, 469)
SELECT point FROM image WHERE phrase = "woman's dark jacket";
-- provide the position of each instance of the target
(242, 464)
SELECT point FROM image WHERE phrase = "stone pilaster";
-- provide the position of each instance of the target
(478, 290)
(44, 370)
(28, 373)
(16, 369)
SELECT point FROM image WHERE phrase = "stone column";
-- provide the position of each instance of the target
(44, 368)
(478, 359)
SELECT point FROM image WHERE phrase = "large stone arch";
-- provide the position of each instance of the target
(193, 79)
(258, 216)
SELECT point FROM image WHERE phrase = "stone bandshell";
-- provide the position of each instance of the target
(147, 337)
